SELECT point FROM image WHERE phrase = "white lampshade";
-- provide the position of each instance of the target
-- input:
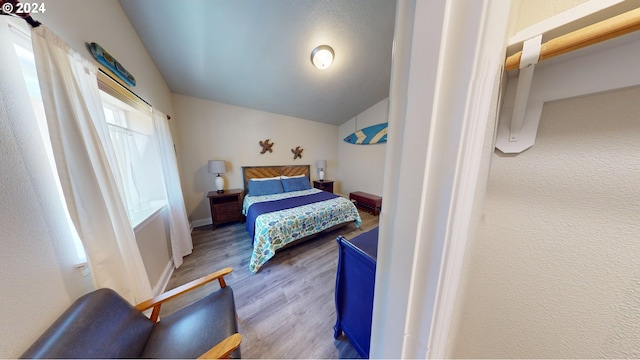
(322, 56)
(217, 166)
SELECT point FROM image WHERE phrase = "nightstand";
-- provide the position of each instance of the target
(326, 185)
(226, 207)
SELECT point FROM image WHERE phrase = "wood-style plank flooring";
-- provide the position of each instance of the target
(287, 309)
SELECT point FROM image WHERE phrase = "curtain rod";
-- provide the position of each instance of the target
(128, 90)
(613, 27)
(124, 87)
(9, 7)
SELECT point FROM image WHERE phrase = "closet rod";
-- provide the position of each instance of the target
(604, 30)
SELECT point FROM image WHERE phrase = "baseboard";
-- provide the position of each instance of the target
(161, 286)
(201, 222)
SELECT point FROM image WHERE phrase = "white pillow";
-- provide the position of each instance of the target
(264, 179)
(291, 177)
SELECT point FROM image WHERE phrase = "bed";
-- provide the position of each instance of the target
(281, 208)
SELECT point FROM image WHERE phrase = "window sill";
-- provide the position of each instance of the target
(145, 216)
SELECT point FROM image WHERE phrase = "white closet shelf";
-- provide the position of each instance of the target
(523, 104)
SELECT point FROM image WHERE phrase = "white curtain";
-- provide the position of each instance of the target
(181, 242)
(85, 162)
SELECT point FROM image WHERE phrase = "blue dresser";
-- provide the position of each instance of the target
(355, 281)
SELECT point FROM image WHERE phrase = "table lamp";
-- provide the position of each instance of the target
(321, 165)
(219, 167)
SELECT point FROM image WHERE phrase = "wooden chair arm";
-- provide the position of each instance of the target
(156, 301)
(224, 348)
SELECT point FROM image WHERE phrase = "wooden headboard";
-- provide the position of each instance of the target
(253, 172)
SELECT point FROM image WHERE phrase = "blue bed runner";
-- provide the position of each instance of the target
(260, 208)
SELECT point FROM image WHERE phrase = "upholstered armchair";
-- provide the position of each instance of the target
(102, 324)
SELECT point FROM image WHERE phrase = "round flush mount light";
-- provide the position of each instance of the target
(322, 56)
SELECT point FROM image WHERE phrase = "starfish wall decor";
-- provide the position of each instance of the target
(266, 146)
(297, 152)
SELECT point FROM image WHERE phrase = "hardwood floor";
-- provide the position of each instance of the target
(287, 309)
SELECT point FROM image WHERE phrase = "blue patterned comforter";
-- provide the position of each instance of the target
(273, 230)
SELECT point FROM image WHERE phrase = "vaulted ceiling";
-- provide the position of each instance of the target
(256, 53)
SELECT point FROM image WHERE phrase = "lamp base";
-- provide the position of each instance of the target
(321, 175)
(220, 184)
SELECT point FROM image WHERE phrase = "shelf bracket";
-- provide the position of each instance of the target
(517, 137)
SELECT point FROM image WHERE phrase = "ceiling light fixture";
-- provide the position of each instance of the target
(322, 56)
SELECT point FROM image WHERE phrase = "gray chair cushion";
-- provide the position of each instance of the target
(100, 324)
(191, 331)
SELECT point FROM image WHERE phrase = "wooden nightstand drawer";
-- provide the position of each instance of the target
(225, 207)
(326, 185)
(226, 211)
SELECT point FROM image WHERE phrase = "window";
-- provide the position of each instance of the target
(131, 129)
(138, 160)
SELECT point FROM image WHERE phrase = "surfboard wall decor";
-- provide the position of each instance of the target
(375, 134)
(111, 63)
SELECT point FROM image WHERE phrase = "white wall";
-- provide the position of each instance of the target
(554, 271)
(36, 272)
(210, 130)
(361, 167)
(529, 12)
(154, 239)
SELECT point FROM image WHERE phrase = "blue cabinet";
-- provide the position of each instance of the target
(355, 281)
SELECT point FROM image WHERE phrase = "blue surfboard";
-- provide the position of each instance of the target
(111, 63)
(375, 134)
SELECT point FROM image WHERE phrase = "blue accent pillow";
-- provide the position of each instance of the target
(296, 184)
(265, 187)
